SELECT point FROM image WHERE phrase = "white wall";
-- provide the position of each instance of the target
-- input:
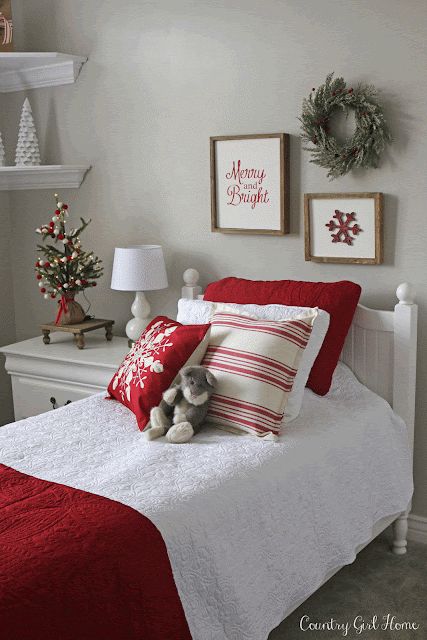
(161, 78)
(7, 308)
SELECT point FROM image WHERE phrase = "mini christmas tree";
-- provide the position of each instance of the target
(27, 149)
(64, 270)
(2, 152)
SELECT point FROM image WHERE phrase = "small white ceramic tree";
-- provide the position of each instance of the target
(27, 149)
(2, 152)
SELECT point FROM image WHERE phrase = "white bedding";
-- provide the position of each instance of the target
(251, 527)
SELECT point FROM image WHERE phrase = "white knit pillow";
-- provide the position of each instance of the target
(255, 363)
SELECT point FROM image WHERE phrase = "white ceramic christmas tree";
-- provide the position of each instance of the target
(2, 153)
(27, 149)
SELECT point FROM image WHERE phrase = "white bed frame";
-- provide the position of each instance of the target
(381, 349)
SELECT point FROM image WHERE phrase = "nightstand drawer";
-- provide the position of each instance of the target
(32, 396)
(59, 370)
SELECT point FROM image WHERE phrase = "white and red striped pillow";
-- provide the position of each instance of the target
(255, 362)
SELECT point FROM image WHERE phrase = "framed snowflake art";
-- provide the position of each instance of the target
(344, 227)
(250, 184)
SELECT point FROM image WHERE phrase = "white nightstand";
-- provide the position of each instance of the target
(59, 370)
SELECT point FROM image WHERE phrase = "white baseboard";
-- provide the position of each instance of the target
(417, 528)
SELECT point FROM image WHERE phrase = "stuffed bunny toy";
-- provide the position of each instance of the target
(184, 406)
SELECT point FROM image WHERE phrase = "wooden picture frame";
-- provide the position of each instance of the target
(259, 192)
(6, 27)
(360, 238)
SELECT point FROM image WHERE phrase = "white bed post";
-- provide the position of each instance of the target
(405, 358)
(191, 290)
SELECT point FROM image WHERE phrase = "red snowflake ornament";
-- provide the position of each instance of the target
(343, 227)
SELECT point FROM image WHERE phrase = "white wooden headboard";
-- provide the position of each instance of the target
(381, 348)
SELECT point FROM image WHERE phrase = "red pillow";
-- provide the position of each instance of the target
(339, 299)
(152, 364)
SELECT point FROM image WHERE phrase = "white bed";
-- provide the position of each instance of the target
(252, 528)
(381, 350)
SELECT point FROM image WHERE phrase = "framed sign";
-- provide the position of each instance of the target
(6, 30)
(344, 227)
(250, 184)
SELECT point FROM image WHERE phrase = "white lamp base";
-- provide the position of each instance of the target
(140, 310)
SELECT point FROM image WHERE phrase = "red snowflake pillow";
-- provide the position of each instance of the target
(153, 362)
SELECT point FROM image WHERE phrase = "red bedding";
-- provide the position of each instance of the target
(76, 566)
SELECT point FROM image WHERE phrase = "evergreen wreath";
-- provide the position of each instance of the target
(364, 148)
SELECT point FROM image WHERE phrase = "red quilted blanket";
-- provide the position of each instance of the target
(76, 566)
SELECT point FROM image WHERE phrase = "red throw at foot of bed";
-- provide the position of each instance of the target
(76, 566)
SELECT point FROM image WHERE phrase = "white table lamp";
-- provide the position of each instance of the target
(139, 268)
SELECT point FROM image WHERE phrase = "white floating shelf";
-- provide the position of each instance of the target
(25, 70)
(56, 176)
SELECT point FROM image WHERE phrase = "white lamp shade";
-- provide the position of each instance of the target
(139, 268)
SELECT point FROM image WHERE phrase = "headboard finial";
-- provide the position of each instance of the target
(191, 277)
(406, 293)
(191, 289)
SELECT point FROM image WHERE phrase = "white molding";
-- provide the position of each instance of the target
(42, 177)
(25, 70)
(417, 528)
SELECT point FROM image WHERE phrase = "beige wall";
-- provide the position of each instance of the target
(162, 77)
(7, 309)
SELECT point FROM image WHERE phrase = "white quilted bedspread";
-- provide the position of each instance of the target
(251, 527)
